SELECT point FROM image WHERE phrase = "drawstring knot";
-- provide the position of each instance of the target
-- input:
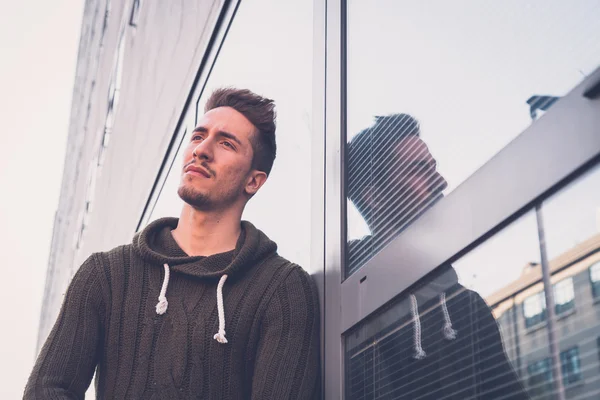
(419, 352)
(447, 330)
(163, 304)
(220, 335)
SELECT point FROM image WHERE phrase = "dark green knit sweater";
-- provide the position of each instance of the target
(110, 321)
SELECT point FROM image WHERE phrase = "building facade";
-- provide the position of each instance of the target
(426, 152)
(521, 311)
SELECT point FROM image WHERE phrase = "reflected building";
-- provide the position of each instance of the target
(521, 312)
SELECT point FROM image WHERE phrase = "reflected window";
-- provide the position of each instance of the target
(534, 309)
(595, 279)
(540, 379)
(564, 295)
(540, 372)
(534, 306)
(476, 77)
(570, 366)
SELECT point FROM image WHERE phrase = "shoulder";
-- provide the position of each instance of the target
(292, 281)
(286, 270)
(115, 264)
(117, 254)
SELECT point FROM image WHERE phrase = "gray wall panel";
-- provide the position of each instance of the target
(161, 59)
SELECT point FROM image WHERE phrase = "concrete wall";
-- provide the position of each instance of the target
(160, 59)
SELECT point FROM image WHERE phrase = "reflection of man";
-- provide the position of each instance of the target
(240, 321)
(392, 180)
(447, 344)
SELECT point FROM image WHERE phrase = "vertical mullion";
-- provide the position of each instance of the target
(551, 312)
(333, 354)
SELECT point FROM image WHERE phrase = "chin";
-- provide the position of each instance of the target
(193, 196)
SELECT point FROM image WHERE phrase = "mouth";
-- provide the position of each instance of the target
(197, 171)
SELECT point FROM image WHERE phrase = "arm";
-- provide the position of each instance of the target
(65, 366)
(499, 379)
(287, 363)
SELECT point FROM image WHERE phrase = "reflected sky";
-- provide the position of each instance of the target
(465, 70)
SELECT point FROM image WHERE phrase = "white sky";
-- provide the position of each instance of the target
(38, 47)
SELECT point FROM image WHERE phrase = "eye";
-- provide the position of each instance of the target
(228, 144)
(197, 137)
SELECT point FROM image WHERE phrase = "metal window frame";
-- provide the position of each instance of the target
(334, 204)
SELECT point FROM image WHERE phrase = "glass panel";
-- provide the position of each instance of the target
(255, 58)
(436, 88)
(572, 229)
(457, 334)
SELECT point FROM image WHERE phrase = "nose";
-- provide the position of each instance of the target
(438, 183)
(203, 150)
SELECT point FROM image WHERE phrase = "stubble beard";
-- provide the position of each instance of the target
(203, 201)
(199, 201)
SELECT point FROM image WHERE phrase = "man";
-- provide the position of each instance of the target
(233, 320)
(443, 341)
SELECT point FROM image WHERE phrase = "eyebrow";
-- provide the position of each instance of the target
(227, 135)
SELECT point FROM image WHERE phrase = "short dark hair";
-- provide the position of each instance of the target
(260, 111)
(369, 152)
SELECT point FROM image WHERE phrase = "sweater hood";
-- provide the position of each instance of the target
(445, 281)
(155, 244)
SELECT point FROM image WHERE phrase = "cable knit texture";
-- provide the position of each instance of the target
(108, 324)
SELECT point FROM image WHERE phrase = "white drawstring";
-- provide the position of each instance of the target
(220, 336)
(447, 330)
(161, 306)
(419, 352)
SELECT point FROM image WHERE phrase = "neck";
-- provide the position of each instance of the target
(201, 233)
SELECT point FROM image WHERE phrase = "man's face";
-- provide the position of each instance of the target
(217, 161)
(406, 183)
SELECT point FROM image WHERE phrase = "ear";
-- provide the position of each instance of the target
(255, 181)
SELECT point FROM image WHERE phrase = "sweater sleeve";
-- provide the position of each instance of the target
(66, 363)
(288, 360)
(499, 380)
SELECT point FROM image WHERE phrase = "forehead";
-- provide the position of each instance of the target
(229, 120)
